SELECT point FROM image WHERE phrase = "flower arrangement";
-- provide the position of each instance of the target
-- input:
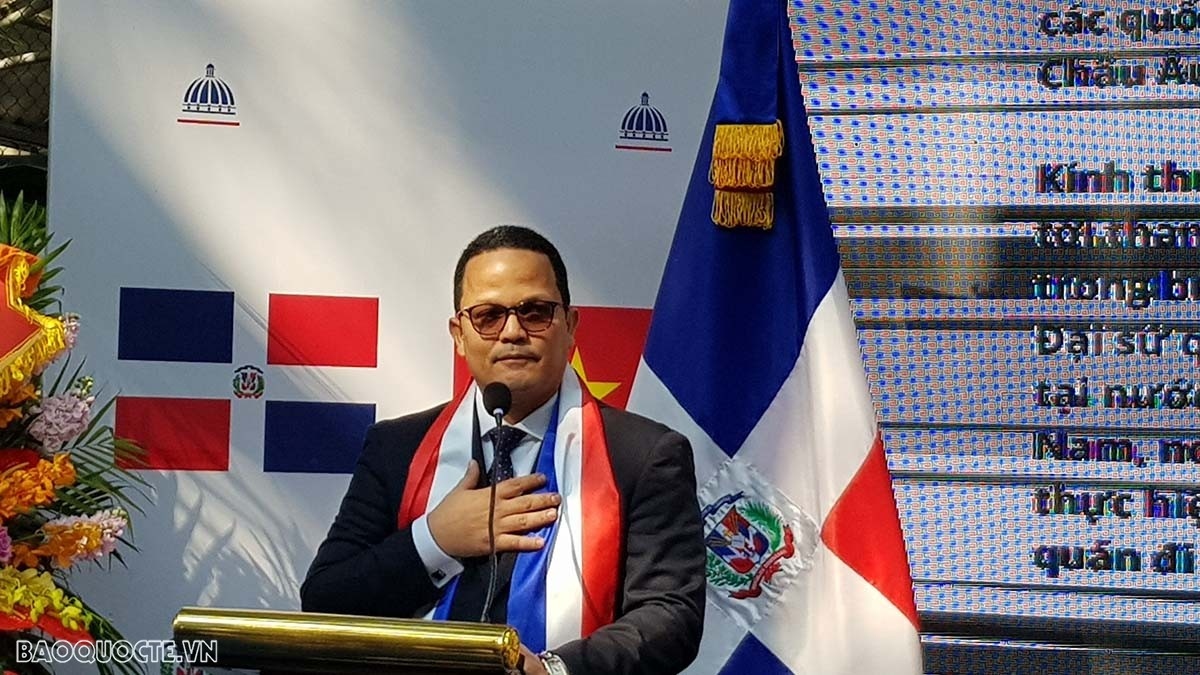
(65, 492)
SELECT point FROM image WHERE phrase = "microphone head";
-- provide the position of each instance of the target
(497, 397)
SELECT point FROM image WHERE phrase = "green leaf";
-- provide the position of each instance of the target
(42, 298)
(719, 574)
(762, 516)
(18, 211)
(5, 226)
(23, 225)
(49, 258)
(103, 629)
(48, 275)
(58, 378)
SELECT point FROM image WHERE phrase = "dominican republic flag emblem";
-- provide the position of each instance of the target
(758, 542)
(734, 540)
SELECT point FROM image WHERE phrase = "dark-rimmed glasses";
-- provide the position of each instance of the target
(489, 318)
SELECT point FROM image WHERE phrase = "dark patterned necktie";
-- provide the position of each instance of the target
(504, 441)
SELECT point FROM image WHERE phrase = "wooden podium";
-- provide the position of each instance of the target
(300, 642)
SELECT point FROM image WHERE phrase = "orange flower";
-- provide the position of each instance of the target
(11, 403)
(18, 396)
(23, 489)
(65, 543)
(7, 415)
(23, 556)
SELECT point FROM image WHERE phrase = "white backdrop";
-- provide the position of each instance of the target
(374, 140)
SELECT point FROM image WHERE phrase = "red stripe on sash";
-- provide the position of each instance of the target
(424, 465)
(602, 532)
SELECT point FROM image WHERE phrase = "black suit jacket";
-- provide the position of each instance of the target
(368, 566)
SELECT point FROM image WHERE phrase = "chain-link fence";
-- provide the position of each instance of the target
(24, 98)
(24, 76)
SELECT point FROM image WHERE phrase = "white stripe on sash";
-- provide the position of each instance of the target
(564, 594)
(454, 452)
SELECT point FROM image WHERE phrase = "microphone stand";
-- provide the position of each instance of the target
(494, 564)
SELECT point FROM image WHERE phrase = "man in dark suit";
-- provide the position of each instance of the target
(514, 324)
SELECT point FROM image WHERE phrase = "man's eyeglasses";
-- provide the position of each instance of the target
(488, 319)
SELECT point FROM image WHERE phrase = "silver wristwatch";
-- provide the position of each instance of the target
(553, 664)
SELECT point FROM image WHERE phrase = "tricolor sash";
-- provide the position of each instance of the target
(567, 589)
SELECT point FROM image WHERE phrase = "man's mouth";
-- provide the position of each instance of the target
(515, 357)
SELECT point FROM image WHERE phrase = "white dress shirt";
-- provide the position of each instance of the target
(442, 567)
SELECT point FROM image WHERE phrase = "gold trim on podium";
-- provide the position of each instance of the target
(328, 643)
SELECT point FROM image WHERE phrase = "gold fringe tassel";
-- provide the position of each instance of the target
(49, 338)
(744, 155)
(743, 173)
(744, 209)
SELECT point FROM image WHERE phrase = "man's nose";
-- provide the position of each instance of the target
(512, 331)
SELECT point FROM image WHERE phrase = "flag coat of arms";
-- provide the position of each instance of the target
(752, 353)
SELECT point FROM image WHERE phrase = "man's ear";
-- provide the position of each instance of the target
(456, 334)
(572, 321)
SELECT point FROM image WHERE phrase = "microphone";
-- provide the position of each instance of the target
(497, 399)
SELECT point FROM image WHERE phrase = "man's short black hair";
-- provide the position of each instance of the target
(520, 238)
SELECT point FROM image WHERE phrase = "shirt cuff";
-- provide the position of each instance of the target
(553, 663)
(440, 567)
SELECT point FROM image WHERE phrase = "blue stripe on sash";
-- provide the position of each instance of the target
(527, 596)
